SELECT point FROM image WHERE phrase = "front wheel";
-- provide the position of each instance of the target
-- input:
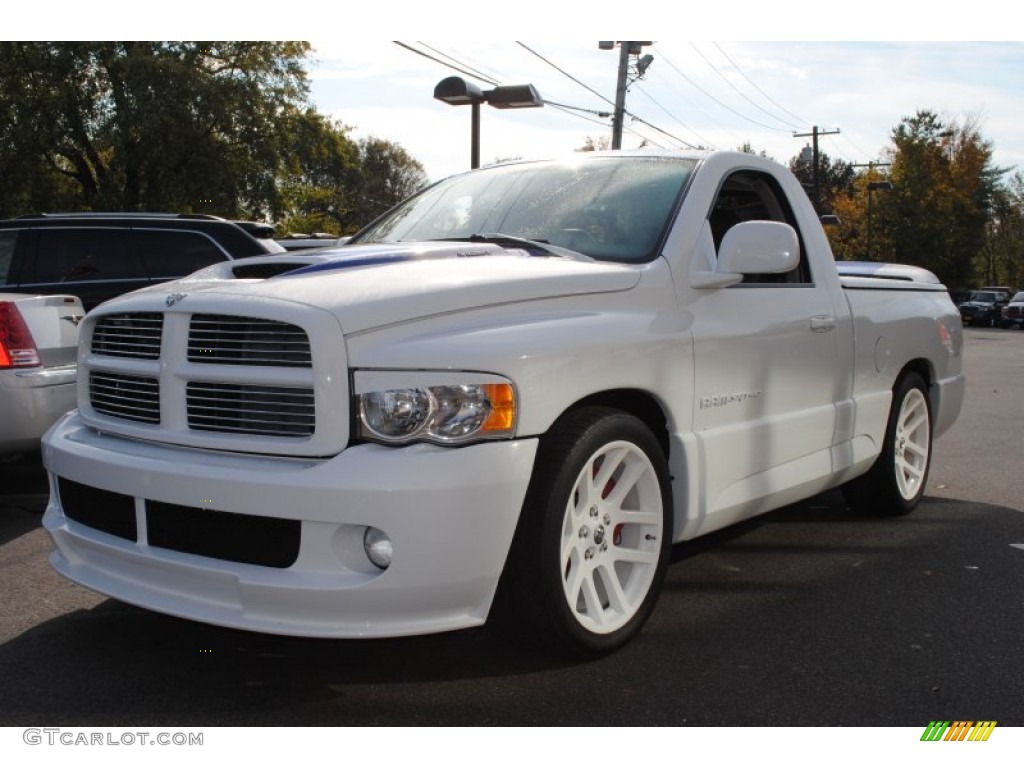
(895, 484)
(593, 542)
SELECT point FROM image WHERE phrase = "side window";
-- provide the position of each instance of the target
(66, 255)
(168, 253)
(756, 196)
(7, 241)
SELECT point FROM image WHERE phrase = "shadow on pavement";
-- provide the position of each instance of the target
(808, 616)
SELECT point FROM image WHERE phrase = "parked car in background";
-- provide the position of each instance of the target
(97, 256)
(984, 308)
(1013, 313)
(299, 241)
(264, 233)
(999, 289)
(38, 347)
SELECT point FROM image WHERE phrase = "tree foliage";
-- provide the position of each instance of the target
(835, 178)
(186, 126)
(942, 210)
(210, 127)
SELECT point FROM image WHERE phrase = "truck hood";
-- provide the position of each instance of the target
(369, 286)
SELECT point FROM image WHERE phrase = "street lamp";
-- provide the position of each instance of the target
(457, 92)
(872, 186)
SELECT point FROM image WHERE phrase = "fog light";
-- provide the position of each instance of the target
(377, 546)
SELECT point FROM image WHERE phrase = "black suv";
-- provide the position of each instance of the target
(97, 256)
(984, 308)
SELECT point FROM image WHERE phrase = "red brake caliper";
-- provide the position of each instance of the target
(605, 492)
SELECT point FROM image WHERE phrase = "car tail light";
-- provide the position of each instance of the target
(17, 347)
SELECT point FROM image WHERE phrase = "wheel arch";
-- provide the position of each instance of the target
(637, 402)
(920, 366)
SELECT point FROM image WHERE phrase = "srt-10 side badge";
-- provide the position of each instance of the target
(717, 401)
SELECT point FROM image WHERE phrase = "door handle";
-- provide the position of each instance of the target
(823, 323)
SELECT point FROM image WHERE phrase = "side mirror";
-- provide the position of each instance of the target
(759, 247)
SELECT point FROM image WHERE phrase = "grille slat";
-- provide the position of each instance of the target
(135, 335)
(228, 340)
(286, 410)
(136, 398)
(241, 408)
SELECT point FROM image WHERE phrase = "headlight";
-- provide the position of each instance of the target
(444, 407)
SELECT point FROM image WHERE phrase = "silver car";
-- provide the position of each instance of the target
(38, 372)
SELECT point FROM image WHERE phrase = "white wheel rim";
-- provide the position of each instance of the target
(611, 537)
(912, 444)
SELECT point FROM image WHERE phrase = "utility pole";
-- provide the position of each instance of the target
(816, 184)
(627, 48)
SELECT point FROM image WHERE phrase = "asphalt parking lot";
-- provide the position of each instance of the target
(808, 616)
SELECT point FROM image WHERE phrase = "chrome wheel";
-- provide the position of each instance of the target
(611, 537)
(912, 444)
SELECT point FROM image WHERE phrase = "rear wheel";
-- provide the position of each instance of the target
(895, 484)
(593, 542)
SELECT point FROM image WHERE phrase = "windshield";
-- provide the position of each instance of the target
(609, 208)
(984, 296)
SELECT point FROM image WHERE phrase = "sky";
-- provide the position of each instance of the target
(723, 75)
(716, 94)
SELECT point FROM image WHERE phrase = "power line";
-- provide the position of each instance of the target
(466, 69)
(717, 101)
(604, 98)
(477, 73)
(742, 95)
(438, 61)
(691, 130)
(743, 74)
(661, 130)
(559, 69)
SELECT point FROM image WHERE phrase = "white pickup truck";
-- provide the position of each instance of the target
(504, 399)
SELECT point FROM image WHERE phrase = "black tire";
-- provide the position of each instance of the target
(589, 558)
(896, 482)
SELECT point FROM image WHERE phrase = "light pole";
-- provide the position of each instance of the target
(457, 92)
(872, 186)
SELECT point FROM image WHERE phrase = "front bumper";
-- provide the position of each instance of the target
(450, 513)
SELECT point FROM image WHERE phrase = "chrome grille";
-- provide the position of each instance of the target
(136, 398)
(251, 409)
(135, 335)
(228, 340)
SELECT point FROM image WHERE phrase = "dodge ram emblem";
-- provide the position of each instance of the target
(174, 298)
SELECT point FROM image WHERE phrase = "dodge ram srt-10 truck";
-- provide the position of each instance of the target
(504, 400)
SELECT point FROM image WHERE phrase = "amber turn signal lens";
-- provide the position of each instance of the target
(503, 408)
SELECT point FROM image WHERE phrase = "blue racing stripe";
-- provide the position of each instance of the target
(363, 261)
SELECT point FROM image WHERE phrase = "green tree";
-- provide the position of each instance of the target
(834, 178)
(1001, 261)
(319, 180)
(387, 175)
(942, 212)
(944, 186)
(186, 126)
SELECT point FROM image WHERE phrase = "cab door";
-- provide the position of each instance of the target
(766, 372)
